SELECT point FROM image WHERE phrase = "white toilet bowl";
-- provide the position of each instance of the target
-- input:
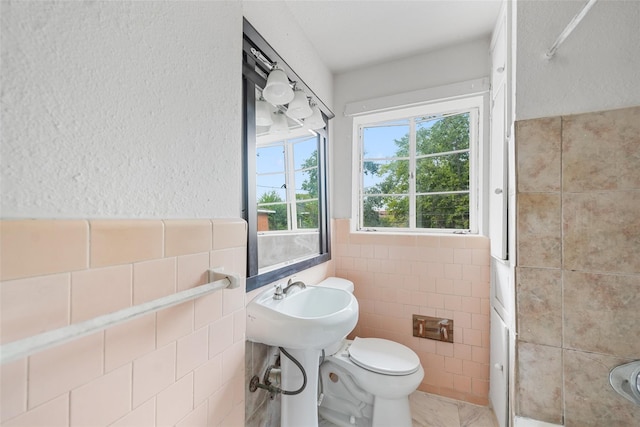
(367, 381)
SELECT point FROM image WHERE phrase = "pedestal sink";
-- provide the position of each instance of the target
(303, 323)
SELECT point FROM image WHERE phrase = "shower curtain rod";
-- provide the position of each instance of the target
(569, 29)
(26, 347)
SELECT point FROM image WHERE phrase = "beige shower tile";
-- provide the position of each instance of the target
(602, 231)
(539, 382)
(182, 237)
(539, 251)
(601, 313)
(538, 154)
(38, 247)
(125, 241)
(100, 291)
(539, 305)
(229, 233)
(539, 213)
(32, 306)
(600, 151)
(539, 230)
(589, 398)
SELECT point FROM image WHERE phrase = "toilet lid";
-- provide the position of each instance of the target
(383, 356)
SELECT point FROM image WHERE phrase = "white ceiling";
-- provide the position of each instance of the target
(349, 34)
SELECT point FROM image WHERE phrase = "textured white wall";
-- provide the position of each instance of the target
(457, 63)
(121, 109)
(595, 69)
(131, 109)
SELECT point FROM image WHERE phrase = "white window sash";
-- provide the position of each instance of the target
(468, 104)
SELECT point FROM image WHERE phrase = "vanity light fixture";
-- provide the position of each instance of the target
(277, 90)
(263, 113)
(299, 106)
(280, 124)
(315, 120)
(284, 96)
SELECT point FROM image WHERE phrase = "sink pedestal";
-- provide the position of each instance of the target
(300, 410)
(308, 320)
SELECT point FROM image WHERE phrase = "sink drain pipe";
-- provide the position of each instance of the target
(255, 384)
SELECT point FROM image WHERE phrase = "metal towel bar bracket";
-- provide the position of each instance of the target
(26, 347)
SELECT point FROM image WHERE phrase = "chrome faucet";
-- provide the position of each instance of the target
(291, 284)
(277, 294)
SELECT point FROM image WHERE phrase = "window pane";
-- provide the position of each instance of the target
(306, 184)
(442, 134)
(270, 159)
(271, 188)
(386, 177)
(386, 141)
(443, 211)
(272, 217)
(443, 173)
(386, 211)
(307, 214)
(305, 152)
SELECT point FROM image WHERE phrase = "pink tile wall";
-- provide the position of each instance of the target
(180, 366)
(396, 276)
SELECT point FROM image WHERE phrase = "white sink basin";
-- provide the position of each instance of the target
(310, 318)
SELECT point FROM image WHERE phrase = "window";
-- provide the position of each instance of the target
(287, 184)
(416, 168)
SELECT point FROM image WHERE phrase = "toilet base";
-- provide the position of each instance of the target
(391, 412)
(346, 404)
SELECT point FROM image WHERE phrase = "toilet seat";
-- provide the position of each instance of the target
(383, 356)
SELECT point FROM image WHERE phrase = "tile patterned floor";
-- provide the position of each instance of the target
(429, 410)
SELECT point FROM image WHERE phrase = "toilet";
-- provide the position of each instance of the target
(366, 381)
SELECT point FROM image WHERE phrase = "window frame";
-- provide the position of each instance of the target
(472, 103)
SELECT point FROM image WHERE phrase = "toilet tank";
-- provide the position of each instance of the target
(338, 283)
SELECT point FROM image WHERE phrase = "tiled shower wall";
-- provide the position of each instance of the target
(179, 366)
(396, 276)
(578, 266)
